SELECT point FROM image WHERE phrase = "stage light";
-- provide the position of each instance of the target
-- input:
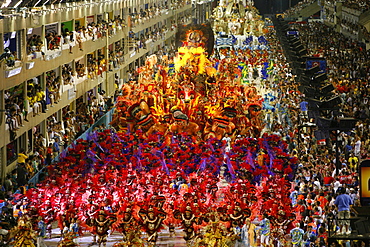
(327, 89)
(319, 78)
(331, 103)
(312, 70)
(314, 103)
(324, 123)
(347, 123)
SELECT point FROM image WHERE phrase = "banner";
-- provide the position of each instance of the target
(316, 61)
(295, 33)
(365, 183)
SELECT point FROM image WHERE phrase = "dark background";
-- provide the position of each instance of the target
(273, 6)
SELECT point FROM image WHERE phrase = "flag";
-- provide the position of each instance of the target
(316, 61)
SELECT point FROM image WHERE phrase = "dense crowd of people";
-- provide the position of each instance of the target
(361, 5)
(298, 7)
(138, 17)
(348, 67)
(34, 44)
(276, 180)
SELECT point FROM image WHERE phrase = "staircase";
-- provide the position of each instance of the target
(308, 10)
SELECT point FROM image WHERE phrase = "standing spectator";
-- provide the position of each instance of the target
(297, 236)
(353, 162)
(22, 157)
(8, 184)
(265, 230)
(357, 147)
(337, 184)
(41, 99)
(21, 175)
(343, 203)
(49, 154)
(354, 195)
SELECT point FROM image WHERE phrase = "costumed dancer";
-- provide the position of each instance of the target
(280, 227)
(188, 219)
(91, 214)
(130, 230)
(102, 225)
(265, 230)
(24, 236)
(248, 234)
(68, 240)
(152, 223)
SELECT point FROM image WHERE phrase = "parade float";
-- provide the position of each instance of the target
(186, 148)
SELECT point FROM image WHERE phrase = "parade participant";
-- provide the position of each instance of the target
(152, 222)
(220, 124)
(188, 219)
(248, 234)
(141, 117)
(130, 230)
(102, 225)
(23, 234)
(237, 217)
(297, 236)
(183, 125)
(68, 240)
(265, 230)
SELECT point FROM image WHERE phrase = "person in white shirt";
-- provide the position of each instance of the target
(317, 183)
(228, 142)
(357, 147)
(337, 184)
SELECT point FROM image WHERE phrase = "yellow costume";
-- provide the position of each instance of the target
(24, 236)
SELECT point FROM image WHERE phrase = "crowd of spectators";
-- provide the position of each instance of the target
(34, 44)
(52, 88)
(361, 5)
(80, 69)
(67, 75)
(143, 15)
(158, 32)
(349, 27)
(96, 65)
(98, 30)
(348, 66)
(298, 7)
(36, 97)
(53, 40)
(318, 180)
(14, 107)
